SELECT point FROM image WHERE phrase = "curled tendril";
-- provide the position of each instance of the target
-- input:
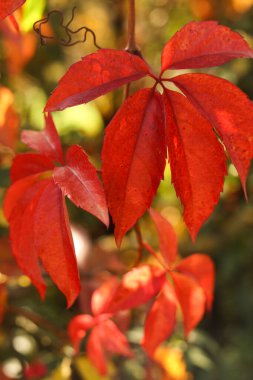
(37, 27)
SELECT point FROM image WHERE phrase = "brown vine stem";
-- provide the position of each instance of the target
(38, 320)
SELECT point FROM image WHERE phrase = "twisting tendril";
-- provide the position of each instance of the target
(37, 26)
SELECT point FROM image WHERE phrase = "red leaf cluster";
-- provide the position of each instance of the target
(35, 208)
(104, 337)
(150, 123)
(7, 7)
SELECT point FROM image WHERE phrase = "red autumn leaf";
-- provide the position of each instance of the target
(201, 268)
(113, 340)
(9, 120)
(34, 205)
(78, 180)
(229, 111)
(161, 319)
(102, 296)
(203, 44)
(46, 142)
(3, 301)
(95, 75)
(167, 237)
(7, 7)
(20, 203)
(78, 327)
(197, 160)
(27, 164)
(191, 298)
(132, 179)
(35, 370)
(96, 351)
(53, 241)
(137, 287)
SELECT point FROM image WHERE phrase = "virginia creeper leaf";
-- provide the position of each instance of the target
(7, 7)
(203, 44)
(95, 75)
(161, 319)
(197, 160)
(191, 298)
(136, 288)
(133, 158)
(102, 296)
(79, 181)
(96, 350)
(46, 142)
(113, 339)
(53, 241)
(77, 328)
(201, 268)
(20, 214)
(27, 164)
(229, 111)
(167, 237)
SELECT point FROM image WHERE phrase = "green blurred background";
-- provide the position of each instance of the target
(34, 333)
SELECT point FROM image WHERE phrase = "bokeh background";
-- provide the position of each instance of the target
(33, 339)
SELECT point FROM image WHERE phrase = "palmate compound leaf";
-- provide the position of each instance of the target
(229, 111)
(197, 160)
(133, 158)
(7, 7)
(95, 75)
(35, 205)
(201, 167)
(203, 44)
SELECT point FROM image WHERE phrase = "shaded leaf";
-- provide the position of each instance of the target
(79, 182)
(137, 287)
(203, 44)
(167, 237)
(161, 319)
(191, 298)
(77, 328)
(53, 241)
(197, 160)
(103, 295)
(133, 158)
(201, 268)
(28, 164)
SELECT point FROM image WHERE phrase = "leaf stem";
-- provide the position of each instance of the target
(131, 42)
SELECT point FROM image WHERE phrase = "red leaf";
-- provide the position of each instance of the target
(161, 319)
(191, 298)
(201, 268)
(78, 327)
(102, 296)
(137, 287)
(27, 164)
(203, 44)
(46, 142)
(96, 350)
(167, 237)
(15, 193)
(197, 160)
(20, 214)
(229, 111)
(113, 339)
(7, 7)
(78, 180)
(133, 158)
(9, 121)
(96, 75)
(53, 241)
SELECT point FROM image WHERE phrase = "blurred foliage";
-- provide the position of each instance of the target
(33, 339)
